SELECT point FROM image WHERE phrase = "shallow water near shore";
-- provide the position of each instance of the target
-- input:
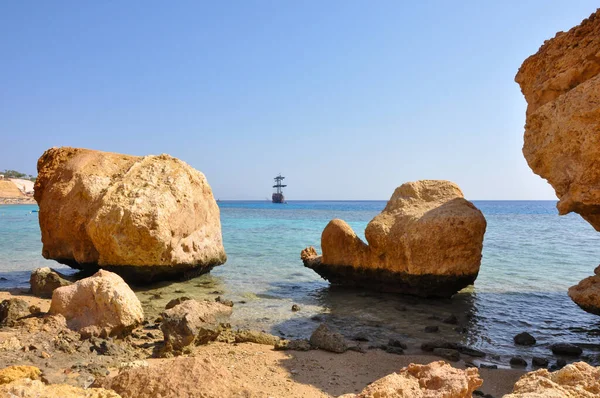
(531, 256)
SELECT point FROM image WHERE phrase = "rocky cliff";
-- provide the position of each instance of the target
(561, 84)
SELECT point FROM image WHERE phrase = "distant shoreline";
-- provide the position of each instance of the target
(17, 201)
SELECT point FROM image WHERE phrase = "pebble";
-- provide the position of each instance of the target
(524, 339)
(295, 308)
(518, 362)
(539, 362)
(432, 329)
(447, 353)
(451, 320)
(566, 349)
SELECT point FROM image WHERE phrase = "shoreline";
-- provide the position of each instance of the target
(18, 201)
(258, 369)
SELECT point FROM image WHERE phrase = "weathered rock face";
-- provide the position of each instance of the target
(435, 380)
(427, 241)
(101, 305)
(587, 294)
(181, 377)
(147, 218)
(192, 321)
(577, 380)
(45, 280)
(561, 84)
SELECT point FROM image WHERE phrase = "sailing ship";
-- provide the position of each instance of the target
(278, 194)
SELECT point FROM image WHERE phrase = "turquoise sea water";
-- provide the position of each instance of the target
(531, 257)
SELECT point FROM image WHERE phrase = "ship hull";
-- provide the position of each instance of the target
(278, 198)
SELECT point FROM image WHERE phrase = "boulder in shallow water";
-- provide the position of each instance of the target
(192, 321)
(437, 379)
(427, 242)
(577, 380)
(101, 305)
(146, 218)
(44, 280)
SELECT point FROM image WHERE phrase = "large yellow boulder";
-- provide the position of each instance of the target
(146, 218)
(427, 241)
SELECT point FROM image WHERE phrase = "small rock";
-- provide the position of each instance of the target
(539, 362)
(295, 308)
(34, 309)
(361, 337)
(432, 329)
(253, 336)
(176, 301)
(13, 309)
(471, 351)
(451, 320)
(228, 303)
(397, 343)
(447, 353)
(327, 340)
(518, 362)
(45, 280)
(566, 349)
(394, 350)
(524, 339)
(478, 393)
(561, 363)
(487, 366)
(357, 348)
(431, 345)
(294, 345)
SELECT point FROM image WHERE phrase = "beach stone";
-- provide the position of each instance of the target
(487, 366)
(174, 378)
(451, 320)
(472, 352)
(176, 301)
(223, 301)
(11, 310)
(44, 280)
(447, 353)
(524, 339)
(396, 343)
(362, 336)
(426, 242)
(293, 345)
(295, 307)
(539, 362)
(566, 349)
(253, 336)
(394, 350)
(192, 322)
(518, 362)
(432, 329)
(147, 218)
(437, 379)
(577, 380)
(561, 84)
(560, 363)
(101, 305)
(327, 340)
(431, 345)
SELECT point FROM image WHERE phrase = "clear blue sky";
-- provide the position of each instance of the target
(348, 99)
